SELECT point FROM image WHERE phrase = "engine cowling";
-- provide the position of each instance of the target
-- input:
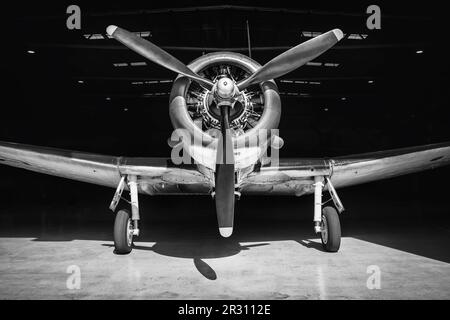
(194, 109)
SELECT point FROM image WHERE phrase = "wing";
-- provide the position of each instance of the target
(155, 175)
(296, 176)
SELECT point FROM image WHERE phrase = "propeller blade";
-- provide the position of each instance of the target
(154, 53)
(294, 58)
(224, 186)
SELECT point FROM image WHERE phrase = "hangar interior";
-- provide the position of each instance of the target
(82, 90)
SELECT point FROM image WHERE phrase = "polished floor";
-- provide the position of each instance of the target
(261, 261)
(216, 269)
(392, 248)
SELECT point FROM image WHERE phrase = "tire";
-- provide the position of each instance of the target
(331, 238)
(122, 243)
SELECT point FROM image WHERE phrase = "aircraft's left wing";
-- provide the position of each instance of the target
(154, 175)
(296, 176)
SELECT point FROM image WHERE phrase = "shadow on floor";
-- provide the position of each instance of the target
(197, 250)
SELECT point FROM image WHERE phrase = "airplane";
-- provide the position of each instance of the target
(226, 100)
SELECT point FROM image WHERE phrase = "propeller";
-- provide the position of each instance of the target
(293, 58)
(154, 53)
(224, 175)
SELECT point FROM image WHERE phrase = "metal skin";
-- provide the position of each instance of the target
(205, 154)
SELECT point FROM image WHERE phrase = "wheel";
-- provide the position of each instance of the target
(331, 230)
(123, 232)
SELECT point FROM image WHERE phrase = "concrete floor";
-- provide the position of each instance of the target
(272, 254)
(205, 267)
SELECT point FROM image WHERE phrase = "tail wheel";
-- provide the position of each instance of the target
(331, 230)
(123, 232)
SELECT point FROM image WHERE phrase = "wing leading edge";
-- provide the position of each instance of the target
(296, 176)
(160, 176)
(155, 175)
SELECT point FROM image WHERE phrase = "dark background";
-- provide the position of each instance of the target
(43, 102)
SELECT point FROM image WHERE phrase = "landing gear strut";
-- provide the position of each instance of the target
(326, 220)
(125, 226)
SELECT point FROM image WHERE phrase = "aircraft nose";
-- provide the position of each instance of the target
(225, 88)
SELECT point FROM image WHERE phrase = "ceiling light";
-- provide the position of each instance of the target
(125, 109)
(343, 98)
(96, 36)
(108, 98)
(419, 51)
(137, 64)
(355, 36)
(144, 34)
(31, 51)
(315, 64)
(329, 64)
(311, 34)
(80, 81)
(370, 81)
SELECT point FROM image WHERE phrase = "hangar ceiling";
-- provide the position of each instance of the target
(375, 89)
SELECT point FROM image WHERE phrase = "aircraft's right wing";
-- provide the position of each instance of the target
(296, 176)
(154, 175)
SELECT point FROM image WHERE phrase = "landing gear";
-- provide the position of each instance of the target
(125, 225)
(123, 232)
(326, 220)
(331, 230)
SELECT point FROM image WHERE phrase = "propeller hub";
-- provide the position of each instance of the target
(225, 88)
